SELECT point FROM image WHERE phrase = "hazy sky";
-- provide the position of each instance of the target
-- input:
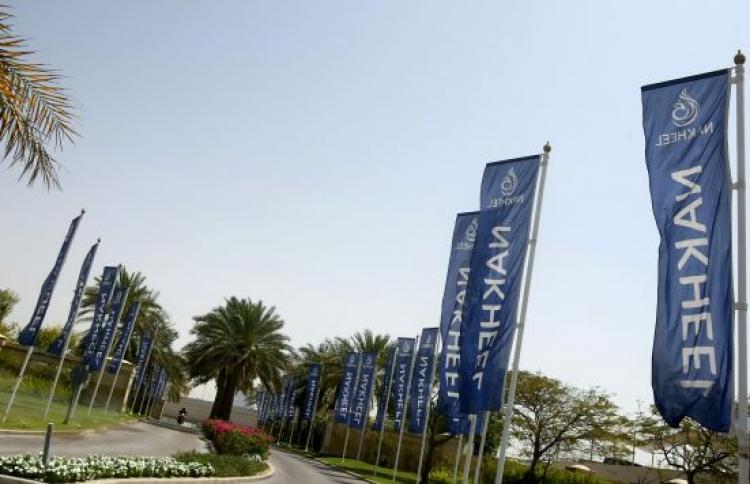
(314, 154)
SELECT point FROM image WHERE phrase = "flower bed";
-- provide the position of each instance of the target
(227, 465)
(230, 438)
(62, 469)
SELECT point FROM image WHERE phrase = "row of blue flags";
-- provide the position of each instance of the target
(109, 306)
(685, 129)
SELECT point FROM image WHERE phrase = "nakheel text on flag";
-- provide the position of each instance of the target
(684, 122)
(495, 281)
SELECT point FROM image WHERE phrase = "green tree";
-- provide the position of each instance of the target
(234, 345)
(35, 112)
(8, 300)
(692, 448)
(551, 417)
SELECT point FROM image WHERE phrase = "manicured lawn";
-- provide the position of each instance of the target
(368, 471)
(225, 465)
(28, 410)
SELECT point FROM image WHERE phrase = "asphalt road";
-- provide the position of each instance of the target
(293, 468)
(132, 439)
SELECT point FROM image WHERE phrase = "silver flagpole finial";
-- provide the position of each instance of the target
(547, 147)
(739, 58)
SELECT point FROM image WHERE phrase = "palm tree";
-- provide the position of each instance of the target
(35, 112)
(330, 353)
(235, 344)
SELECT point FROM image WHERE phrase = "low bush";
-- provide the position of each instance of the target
(515, 473)
(61, 469)
(227, 465)
(230, 438)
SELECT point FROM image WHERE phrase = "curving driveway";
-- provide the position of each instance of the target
(293, 468)
(131, 439)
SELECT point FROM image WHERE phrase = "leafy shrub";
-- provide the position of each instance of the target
(514, 473)
(61, 469)
(230, 438)
(227, 465)
(235, 442)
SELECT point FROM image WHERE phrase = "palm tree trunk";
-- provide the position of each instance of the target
(230, 388)
(219, 398)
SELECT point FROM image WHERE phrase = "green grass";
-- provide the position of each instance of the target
(372, 472)
(31, 400)
(225, 465)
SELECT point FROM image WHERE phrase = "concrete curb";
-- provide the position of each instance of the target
(175, 480)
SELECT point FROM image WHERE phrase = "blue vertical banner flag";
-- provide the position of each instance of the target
(400, 379)
(144, 350)
(27, 336)
(313, 382)
(346, 387)
(451, 315)
(421, 380)
(56, 347)
(154, 380)
(387, 382)
(495, 280)
(363, 391)
(96, 361)
(124, 340)
(281, 408)
(684, 122)
(162, 384)
(259, 405)
(290, 398)
(276, 405)
(106, 288)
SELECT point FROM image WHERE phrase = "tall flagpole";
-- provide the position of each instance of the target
(127, 335)
(469, 447)
(365, 424)
(145, 367)
(349, 407)
(314, 409)
(458, 458)
(115, 321)
(741, 301)
(284, 413)
(511, 398)
(51, 278)
(485, 426)
(435, 363)
(385, 410)
(403, 421)
(294, 424)
(75, 306)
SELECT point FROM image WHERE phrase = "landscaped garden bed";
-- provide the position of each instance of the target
(63, 469)
(227, 465)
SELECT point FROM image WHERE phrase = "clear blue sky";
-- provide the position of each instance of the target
(314, 154)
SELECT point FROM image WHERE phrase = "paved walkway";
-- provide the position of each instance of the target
(292, 468)
(132, 439)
